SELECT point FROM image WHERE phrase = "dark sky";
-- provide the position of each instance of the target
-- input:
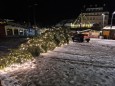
(46, 11)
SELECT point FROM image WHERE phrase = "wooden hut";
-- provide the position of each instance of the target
(108, 32)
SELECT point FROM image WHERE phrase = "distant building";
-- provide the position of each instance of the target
(96, 17)
(12, 29)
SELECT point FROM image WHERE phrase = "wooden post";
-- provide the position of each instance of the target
(6, 31)
(1, 83)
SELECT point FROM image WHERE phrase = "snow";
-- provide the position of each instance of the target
(108, 27)
(75, 64)
(105, 41)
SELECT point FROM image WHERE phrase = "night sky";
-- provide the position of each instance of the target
(47, 11)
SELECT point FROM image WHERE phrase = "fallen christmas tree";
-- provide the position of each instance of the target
(36, 45)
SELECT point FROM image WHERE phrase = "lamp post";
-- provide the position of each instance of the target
(111, 23)
(34, 16)
(34, 13)
(33, 9)
(29, 18)
(103, 15)
(112, 19)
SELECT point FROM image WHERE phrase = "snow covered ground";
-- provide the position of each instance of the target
(105, 41)
(76, 64)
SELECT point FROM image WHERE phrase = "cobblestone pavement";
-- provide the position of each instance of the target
(76, 64)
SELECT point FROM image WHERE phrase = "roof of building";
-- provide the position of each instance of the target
(108, 27)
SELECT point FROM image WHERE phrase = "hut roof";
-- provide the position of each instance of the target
(108, 28)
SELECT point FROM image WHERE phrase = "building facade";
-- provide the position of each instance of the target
(92, 17)
(95, 16)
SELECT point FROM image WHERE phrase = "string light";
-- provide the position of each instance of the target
(22, 54)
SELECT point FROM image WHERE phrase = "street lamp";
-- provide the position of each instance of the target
(103, 15)
(29, 16)
(34, 13)
(33, 9)
(112, 19)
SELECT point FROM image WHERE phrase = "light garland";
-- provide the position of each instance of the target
(44, 43)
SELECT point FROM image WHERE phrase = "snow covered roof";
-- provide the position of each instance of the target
(108, 27)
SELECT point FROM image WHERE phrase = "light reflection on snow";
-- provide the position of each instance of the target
(5, 73)
(16, 67)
